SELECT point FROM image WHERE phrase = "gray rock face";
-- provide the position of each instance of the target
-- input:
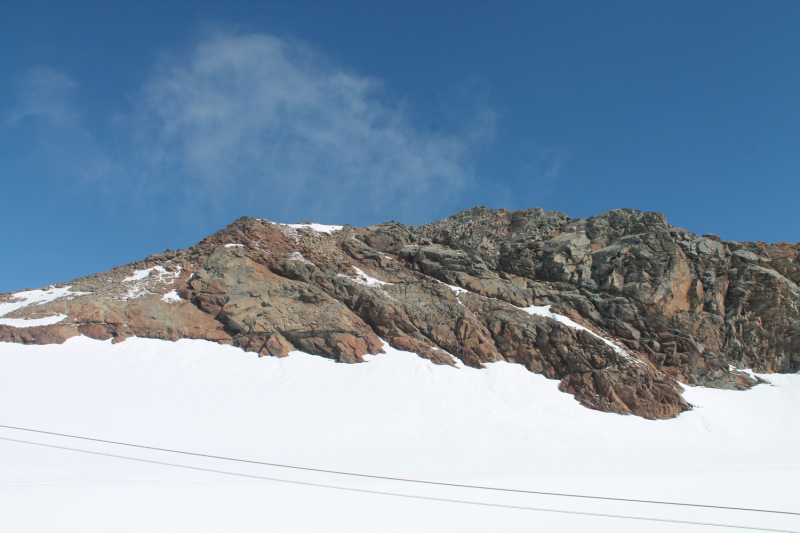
(635, 305)
(693, 305)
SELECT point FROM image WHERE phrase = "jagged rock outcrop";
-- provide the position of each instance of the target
(635, 305)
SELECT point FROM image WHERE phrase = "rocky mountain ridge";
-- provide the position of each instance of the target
(621, 307)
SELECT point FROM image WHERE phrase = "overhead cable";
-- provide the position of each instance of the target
(407, 480)
(412, 496)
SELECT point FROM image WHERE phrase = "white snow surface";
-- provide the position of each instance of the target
(397, 415)
(234, 245)
(33, 297)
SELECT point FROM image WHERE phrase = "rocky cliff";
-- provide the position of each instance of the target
(620, 307)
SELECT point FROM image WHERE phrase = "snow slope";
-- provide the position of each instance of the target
(397, 415)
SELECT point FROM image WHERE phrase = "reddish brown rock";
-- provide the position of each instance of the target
(55, 334)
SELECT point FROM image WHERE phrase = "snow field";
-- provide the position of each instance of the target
(397, 415)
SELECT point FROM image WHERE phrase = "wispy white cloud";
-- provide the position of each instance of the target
(244, 124)
(45, 94)
(65, 147)
(262, 115)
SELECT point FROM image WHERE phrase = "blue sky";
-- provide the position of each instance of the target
(127, 128)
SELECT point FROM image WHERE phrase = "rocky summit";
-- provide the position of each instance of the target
(621, 307)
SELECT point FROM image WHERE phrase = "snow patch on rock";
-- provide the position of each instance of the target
(20, 300)
(369, 281)
(141, 274)
(171, 297)
(363, 279)
(31, 322)
(297, 256)
(544, 310)
(138, 281)
(38, 297)
(319, 228)
(456, 289)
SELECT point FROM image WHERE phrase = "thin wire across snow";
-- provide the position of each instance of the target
(389, 478)
(402, 495)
